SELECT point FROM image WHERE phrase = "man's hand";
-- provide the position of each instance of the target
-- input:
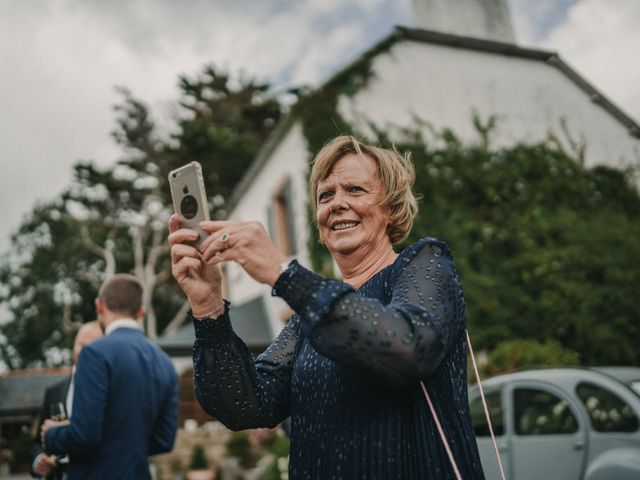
(48, 423)
(45, 464)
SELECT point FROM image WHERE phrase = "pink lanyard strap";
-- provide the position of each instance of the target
(486, 412)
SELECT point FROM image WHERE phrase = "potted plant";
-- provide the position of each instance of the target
(199, 468)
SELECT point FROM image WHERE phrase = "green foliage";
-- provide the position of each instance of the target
(279, 448)
(512, 355)
(239, 446)
(41, 298)
(176, 466)
(224, 123)
(318, 113)
(545, 247)
(114, 219)
(198, 458)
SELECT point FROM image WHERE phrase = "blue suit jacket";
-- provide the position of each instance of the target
(125, 407)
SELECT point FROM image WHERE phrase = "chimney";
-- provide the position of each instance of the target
(486, 19)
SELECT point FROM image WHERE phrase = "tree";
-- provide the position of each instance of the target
(545, 247)
(512, 355)
(114, 220)
(44, 297)
(224, 124)
(106, 221)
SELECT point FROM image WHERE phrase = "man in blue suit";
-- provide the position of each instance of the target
(48, 466)
(125, 404)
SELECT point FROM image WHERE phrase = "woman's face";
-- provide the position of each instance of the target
(349, 210)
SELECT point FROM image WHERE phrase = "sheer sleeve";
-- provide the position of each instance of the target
(396, 343)
(231, 386)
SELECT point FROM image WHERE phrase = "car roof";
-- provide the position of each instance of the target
(624, 374)
(566, 377)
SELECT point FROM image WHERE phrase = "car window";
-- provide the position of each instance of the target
(479, 419)
(608, 412)
(539, 412)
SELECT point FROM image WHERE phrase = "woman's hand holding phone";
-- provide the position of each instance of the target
(202, 283)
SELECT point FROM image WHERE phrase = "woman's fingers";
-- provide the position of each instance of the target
(214, 242)
(246, 243)
(181, 236)
(216, 245)
(182, 268)
(199, 281)
(213, 226)
(180, 250)
(174, 223)
(224, 235)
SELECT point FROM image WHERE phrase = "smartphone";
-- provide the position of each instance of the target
(189, 198)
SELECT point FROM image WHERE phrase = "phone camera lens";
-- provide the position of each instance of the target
(189, 207)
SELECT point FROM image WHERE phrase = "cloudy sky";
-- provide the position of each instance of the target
(61, 60)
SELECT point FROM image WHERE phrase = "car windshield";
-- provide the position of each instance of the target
(635, 386)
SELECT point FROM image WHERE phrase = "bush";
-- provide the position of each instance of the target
(239, 446)
(513, 355)
(198, 458)
(279, 448)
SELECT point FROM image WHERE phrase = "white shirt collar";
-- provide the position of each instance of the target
(122, 323)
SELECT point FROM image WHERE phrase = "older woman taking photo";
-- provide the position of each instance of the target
(347, 366)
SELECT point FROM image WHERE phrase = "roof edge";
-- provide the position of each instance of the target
(471, 43)
(263, 155)
(444, 39)
(595, 95)
(550, 57)
(290, 118)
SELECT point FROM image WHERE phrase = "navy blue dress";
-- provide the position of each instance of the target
(347, 367)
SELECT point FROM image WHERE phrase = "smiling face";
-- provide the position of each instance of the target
(349, 212)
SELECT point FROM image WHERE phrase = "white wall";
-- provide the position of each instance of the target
(289, 160)
(444, 85)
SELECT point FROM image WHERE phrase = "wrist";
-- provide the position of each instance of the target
(212, 309)
(282, 267)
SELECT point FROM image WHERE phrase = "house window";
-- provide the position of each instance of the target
(280, 219)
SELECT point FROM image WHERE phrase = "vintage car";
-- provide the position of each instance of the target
(561, 424)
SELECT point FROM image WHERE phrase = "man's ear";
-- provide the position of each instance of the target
(139, 314)
(99, 306)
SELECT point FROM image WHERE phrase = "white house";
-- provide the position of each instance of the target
(473, 67)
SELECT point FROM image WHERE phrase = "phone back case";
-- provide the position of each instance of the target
(189, 198)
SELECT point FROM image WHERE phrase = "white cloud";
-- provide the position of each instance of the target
(601, 39)
(62, 59)
(533, 19)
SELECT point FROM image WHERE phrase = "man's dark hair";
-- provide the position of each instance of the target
(122, 294)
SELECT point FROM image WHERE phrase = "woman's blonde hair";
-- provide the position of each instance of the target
(395, 171)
